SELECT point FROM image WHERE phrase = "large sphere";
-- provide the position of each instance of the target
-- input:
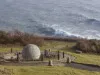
(31, 52)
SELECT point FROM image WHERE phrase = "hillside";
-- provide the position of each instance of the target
(67, 47)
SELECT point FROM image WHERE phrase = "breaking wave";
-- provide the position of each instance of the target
(54, 31)
(61, 18)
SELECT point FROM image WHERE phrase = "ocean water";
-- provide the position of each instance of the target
(62, 18)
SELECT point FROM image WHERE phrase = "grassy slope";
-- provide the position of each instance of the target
(45, 70)
(54, 46)
(87, 58)
(7, 49)
(67, 47)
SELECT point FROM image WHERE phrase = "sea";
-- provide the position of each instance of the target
(61, 18)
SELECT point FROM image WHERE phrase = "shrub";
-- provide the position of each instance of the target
(17, 37)
(88, 45)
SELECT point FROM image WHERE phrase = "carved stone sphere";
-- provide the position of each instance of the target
(31, 52)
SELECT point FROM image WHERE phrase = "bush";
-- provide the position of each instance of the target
(20, 38)
(89, 46)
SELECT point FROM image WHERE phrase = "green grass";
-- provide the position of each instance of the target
(85, 58)
(63, 46)
(8, 49)
(45, 70)
(57, 45)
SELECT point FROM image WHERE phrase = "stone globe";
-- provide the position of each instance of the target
(31, 52)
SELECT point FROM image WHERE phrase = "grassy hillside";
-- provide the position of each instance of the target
(8, 49)
(67, 47)
(45, 70)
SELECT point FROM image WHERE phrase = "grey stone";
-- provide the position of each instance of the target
(68, 60)
(46, 53)
(9, 56)
(18, 57)
(78, 51)
(50, 63)
(58, 55)
(42, 57)
(63, 54)
(31, 52)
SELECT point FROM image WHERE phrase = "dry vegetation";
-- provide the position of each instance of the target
(19, 38)
(89, 46)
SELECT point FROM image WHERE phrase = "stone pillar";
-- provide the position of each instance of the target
(49, 54)
(49, 50)
(68, 60)
(63, 55)
(50, 63)
(11, 50)
(46, 53)
(42, 57)
(58, 55)
(18, 58)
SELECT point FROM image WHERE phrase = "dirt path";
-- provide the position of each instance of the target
(84, 66)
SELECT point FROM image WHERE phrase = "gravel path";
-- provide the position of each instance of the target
(84, 66)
